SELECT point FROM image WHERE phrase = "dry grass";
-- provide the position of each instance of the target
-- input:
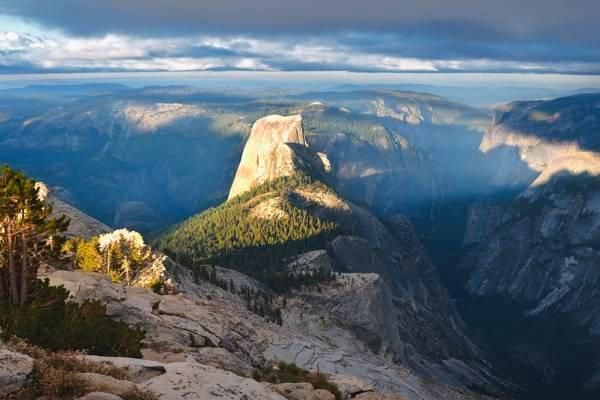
(54, 375)
(291, 373)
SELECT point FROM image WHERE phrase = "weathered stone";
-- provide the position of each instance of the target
(198, 341)
(15, 369)
(348, 310)
(322, 394)
(276, 148)
(311, 262)
(139, 370)
(163, 356)
(223, 359)
(295, 391)
(302, 391)
(350, 386)
(192, 381)
(100, 396)
(108, 384)
(377, 396)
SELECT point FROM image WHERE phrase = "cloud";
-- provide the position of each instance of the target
(123, 53)
(554, 19)
(117, 52)
(376, 36)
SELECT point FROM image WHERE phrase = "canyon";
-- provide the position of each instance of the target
(466, 245)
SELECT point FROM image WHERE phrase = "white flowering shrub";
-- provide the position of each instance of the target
(120, 254)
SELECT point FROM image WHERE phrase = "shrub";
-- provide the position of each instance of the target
(158, 286)
(319, 381)
(291, 373)
(87, 257)
(52, 322)
(119, 254)
(54, 375)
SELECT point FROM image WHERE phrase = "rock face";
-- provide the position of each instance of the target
(166, 381)
(130, 162)
(527, 135)
(100, 396)
(538, 252)
(107, 384)
(201, 382)
(135, 157)
(416, 151)
(391, 305)
(541, 250)
(302, 391)
(310, 262)
(206, 325)
(139, 370)
(577, 163)
(276, 148)
(397, 272)
(81, 225)
(15, 369)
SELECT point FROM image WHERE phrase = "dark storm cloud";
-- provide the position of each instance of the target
(489, 35)
(574, 20)
(435, 47)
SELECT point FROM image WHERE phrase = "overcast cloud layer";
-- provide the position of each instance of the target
(355, 35)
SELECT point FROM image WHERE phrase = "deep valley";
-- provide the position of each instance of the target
(450, 244)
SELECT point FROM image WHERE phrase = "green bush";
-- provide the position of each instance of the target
(87, 256)
(52, 322)
(291, 373)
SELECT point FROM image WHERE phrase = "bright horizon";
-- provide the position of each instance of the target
(405, 36)
(323, 79)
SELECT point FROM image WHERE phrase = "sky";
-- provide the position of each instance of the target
(375, 36)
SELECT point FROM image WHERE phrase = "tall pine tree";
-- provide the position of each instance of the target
(28, 235)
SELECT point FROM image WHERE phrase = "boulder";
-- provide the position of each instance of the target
(108, 384)
(139, 370)
(193, 381)
(294, 391)
(15, 369)
(100, 396)
(350, 386)
(322, 394)
(302, 391)
(377, 396)
(223, 359)
(163, 356)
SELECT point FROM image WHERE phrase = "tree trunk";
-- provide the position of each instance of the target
(12, 270)
(24, 269)
(108, 260)
(3, 280)
(126, 267)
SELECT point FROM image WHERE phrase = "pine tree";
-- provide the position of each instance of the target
(28, 235)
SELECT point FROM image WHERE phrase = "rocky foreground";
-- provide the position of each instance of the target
(202, 343)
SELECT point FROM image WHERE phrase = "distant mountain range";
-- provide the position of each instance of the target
(475, 96)
(503, 201)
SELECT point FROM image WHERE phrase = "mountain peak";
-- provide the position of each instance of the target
(276, 148)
